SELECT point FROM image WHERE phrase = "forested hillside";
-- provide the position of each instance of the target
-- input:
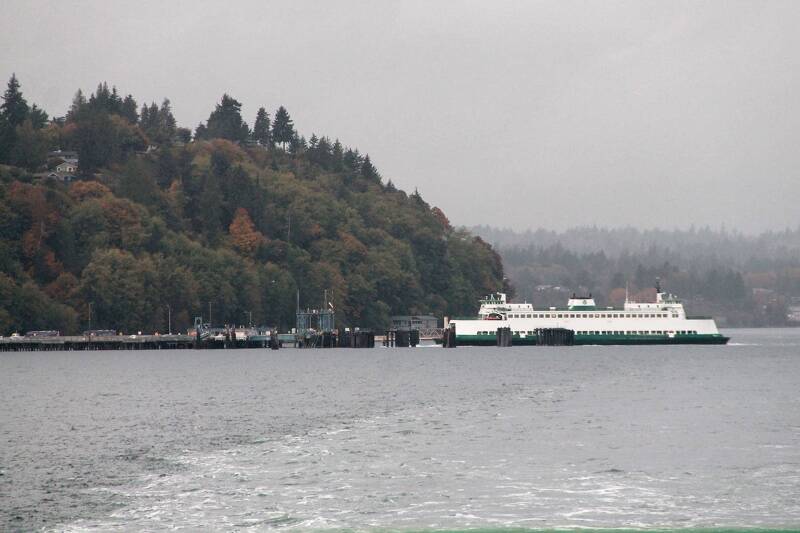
(742, 280)
(157, 218)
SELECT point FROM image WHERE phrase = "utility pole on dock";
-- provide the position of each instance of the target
(169, 320)
(90, 316)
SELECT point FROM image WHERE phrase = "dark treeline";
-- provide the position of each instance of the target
(743, 280)
(159, 217)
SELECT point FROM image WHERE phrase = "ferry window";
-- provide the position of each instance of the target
(530, 333)
(560, 316)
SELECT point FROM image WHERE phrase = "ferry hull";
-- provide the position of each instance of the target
(609, 340)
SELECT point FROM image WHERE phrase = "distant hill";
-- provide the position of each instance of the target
(742, 280)
(157, 220)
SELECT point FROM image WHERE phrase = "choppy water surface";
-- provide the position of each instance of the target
(407, 439)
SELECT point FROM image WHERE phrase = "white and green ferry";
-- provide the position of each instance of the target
(661, 322)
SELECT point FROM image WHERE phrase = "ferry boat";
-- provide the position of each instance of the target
(661, 322)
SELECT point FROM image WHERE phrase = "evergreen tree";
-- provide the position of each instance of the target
(29, 150)
(144, 119)
(78, 105)
(337, 156)
(94, 137)
(261, 128)
(101, 99)
(115, 102)
(225, 122)
(13, 112)
(14, 109)
(166, 122)
(282, 127)
(322, 154)
(129, 109)
(184, 135)
(352, 160)
(298, 144)
(154, 118)
(201, 132)
(38, 117)
(368, 170)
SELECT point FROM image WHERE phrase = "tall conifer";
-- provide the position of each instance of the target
(282, 127)
(261, 127)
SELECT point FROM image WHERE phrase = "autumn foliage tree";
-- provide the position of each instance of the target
(244, 236)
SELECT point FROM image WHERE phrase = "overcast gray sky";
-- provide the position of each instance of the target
(516, 114)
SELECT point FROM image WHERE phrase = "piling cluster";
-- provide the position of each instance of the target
(449, 337)
(336, 339)
(505, 338)
(555, 337)
(401, 338)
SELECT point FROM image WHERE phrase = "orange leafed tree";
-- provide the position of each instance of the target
(31, 199)
(244, 235)
(442, 218)
(84, 190)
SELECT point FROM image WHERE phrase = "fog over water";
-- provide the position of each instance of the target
(521, 114)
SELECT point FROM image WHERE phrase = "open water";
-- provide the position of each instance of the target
(404, 439)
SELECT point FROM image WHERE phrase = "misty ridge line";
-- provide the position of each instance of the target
(725, 245)
(740, 280)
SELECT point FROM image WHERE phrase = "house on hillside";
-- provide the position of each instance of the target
(68, 167)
